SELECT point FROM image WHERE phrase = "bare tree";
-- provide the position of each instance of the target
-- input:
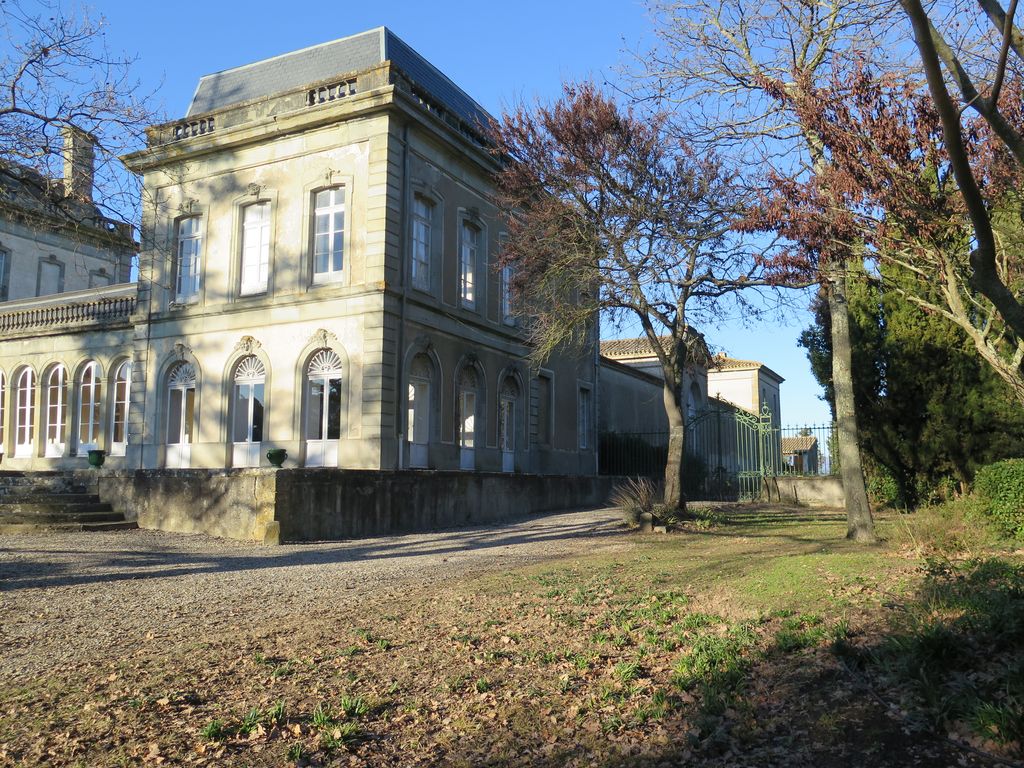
(58, 81)
(612, 214)
(718, 61)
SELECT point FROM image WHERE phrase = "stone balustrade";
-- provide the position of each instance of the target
(92, 307)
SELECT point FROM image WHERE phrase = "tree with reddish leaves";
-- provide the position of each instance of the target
(610, 214)
(890, 184)
(715, 59)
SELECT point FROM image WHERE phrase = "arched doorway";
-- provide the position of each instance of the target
(508, 406)
(418, 414)
(248, 406)
(181, 411)
(323, 409)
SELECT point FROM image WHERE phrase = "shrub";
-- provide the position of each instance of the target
(883, 490)
(635, 496)
(1001, 487)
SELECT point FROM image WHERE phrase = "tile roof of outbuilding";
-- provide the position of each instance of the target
(326, 60)
(799, 443)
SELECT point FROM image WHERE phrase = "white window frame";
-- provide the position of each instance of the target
(335, 237)
(56, 410)
(188, 259)
(255, 255)
(584, 417)
(506, 295)
(182, 381)
(89, 400)
(5, 273)
(25, 414)
(119, 411)
(3, 411)
(422, 233)
(469, 248)
(250, 378)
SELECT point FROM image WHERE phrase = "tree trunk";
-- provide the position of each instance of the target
(859, 525)
(674, 496)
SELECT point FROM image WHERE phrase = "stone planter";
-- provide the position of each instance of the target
(276, 456)
(96, 457)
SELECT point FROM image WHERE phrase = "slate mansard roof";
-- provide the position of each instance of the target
(322, 62)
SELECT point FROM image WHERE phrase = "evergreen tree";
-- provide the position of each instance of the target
(933, 412)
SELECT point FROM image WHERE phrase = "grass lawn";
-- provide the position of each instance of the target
(762, 639)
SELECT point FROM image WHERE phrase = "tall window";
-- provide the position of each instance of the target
(584, 418)
(506, 295)
(250, 380)
(3, 410)
(507, 423)
(418, 412)
(190, 242)
(468, 245)
(422, 215)
(89, 408)
(119, 417)
(255, 248)
(323, 415)
(25, 413)
(50, 279)
(56, 410)
(181, 405)
(544, 410)
(328, 234)
(468, 385)
(5, 271)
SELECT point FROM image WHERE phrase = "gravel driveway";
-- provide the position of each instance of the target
(72, 599)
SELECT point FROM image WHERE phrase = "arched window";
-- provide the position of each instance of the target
(469, 383)
(248, 411)
(56, 411)
(418, 426)
(119, 415)
(181, 405)
(25, 413)
(323, 408)
(508, 399)
(89, 408)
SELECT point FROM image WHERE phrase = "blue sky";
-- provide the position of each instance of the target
(498, 53)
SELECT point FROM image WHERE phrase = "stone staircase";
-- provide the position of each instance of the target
(34, 502)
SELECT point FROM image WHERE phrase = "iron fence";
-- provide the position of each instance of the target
(729, 453)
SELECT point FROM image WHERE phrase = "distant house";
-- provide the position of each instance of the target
(800, 454)
(750, 384)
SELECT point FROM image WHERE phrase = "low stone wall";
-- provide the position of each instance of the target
(270, 505)
(317, 504)
(813, 490)
(230, 503)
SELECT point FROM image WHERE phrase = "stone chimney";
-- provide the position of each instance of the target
(79, 158)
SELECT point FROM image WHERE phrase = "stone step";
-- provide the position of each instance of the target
(86, 516)
(46, 483)
(66, 497)
(39, 502)
(59, 508)
(114, 525)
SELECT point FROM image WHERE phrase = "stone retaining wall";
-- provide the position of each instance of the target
(270, 505)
